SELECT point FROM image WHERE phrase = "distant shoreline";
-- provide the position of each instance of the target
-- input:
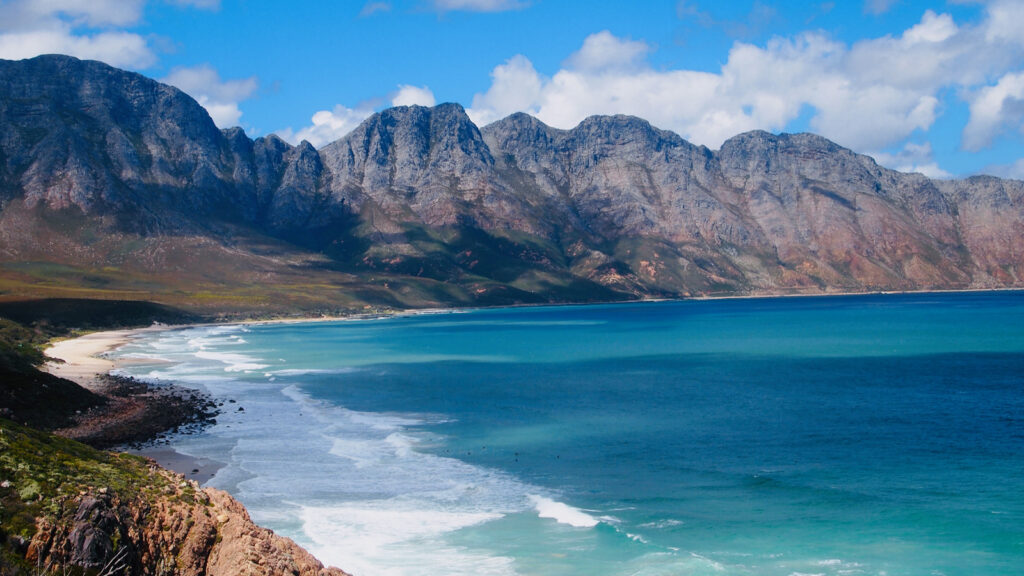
(84, 360)
(83, 357)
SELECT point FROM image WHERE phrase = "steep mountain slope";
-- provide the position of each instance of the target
(126, 185)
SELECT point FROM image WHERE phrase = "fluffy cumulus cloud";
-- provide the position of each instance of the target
(413, 96)
(220, 97)
(603, 52)
(515, 86)
(84, 29)
(872, 95)
(328, 125)
(995, 110)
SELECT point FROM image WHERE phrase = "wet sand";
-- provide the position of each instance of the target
(193, 468)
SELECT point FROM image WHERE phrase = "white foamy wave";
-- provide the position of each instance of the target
(312, 371)
(361, 453)
(397, 537)
(561, 512)
(662, 523)
(235, 362)
(329, 414)
(155, 358)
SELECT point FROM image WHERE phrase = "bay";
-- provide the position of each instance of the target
(876, 434)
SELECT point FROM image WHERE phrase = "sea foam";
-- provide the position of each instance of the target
(561, 512)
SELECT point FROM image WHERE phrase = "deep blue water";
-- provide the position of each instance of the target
(842, 435)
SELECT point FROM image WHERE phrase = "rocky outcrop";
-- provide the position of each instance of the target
(69, 508)
(186, 532)
(611, 208)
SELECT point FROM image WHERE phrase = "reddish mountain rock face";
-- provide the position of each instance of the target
(613, 208)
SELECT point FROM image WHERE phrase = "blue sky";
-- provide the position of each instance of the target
(936, 87)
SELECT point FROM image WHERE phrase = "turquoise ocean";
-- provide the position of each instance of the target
(848, 435)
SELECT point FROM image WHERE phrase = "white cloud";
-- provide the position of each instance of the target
(219, 97)
(913, 158)
(328, 125)
(477, 5)
(30, 28)
(120, 49)
(413, 96)
(1005, 17)
(994, 110)
(94, 13)
(932, 28)
(515, 87)
(603, 52)
(871, 95)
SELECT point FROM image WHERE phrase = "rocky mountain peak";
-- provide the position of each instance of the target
(409, 153)
(761, 157)
(81, 133)
(614, 201)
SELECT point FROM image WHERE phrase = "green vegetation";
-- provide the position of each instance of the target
(19, 347)
(42, 476)
(55, 317)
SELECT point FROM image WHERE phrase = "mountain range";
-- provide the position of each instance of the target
(113, 185)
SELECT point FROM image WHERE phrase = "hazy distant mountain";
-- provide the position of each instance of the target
(104, 168)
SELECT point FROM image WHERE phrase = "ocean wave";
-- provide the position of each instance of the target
(561, 512)
(661, 524)
(312, 371)
(395, 537)
(235, 362)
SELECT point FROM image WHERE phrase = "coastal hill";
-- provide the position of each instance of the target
(116, 186)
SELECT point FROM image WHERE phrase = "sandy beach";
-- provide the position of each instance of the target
(81, 357)
(82, 361)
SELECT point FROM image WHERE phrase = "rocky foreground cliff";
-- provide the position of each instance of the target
(120, 186)
(66, 508)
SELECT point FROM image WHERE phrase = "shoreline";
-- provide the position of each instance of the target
(82, 359)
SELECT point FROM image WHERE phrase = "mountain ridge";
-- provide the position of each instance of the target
(513, 212)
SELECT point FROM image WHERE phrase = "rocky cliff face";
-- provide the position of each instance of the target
(186, 532)
(67, 508)
(612, 208)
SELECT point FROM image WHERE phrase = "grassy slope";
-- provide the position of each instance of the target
(33, 397)
(41, 475)
(232, 271)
